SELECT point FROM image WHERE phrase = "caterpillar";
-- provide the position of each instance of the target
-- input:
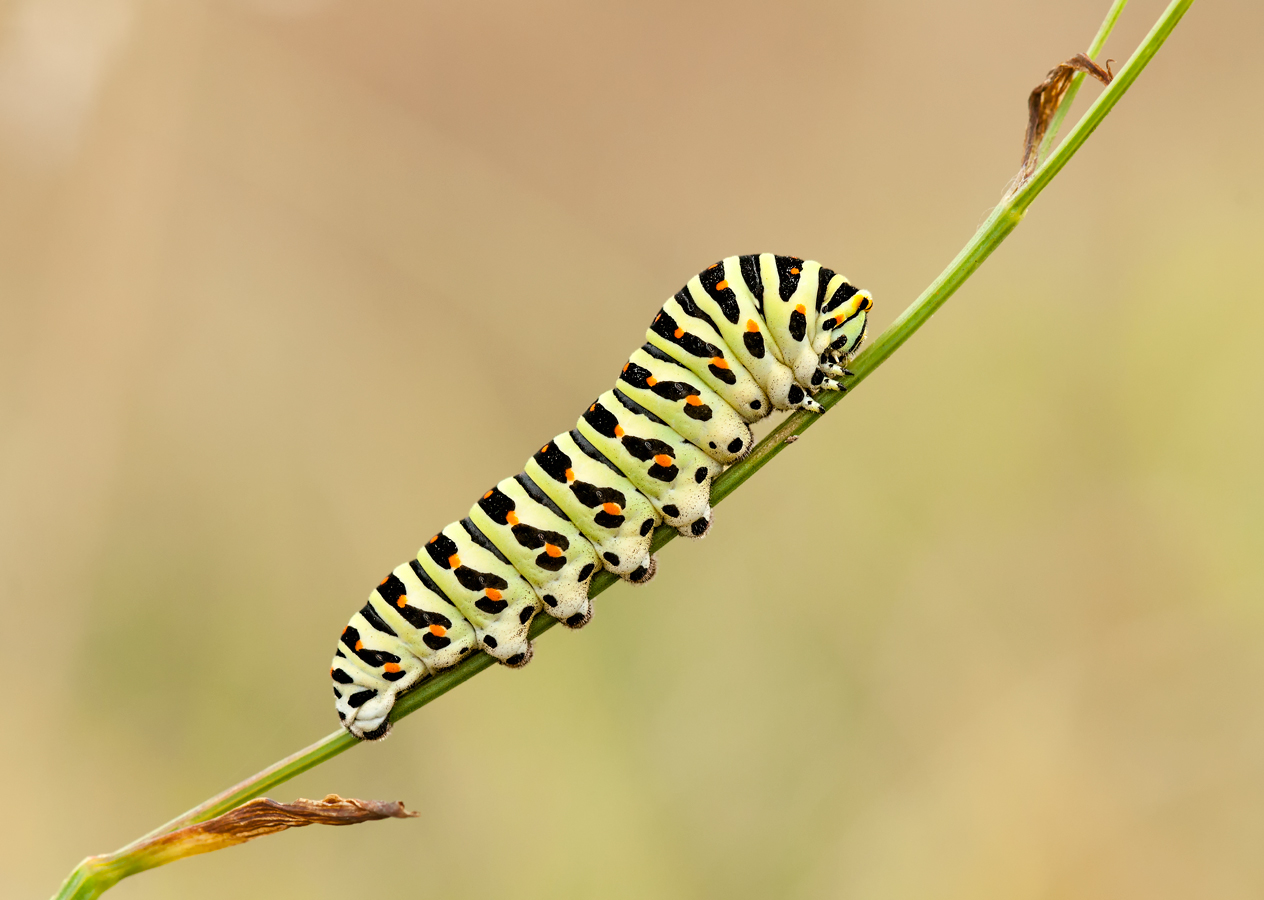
(745, 336)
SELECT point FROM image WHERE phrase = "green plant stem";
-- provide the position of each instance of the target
(97, 873)
(1095, 48)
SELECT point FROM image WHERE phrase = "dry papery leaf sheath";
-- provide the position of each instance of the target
(261, 817)
(1044, 102)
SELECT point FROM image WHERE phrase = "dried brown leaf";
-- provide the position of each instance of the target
(261, 817)
(1044, 102)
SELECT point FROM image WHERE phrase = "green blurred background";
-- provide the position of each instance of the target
(286, 284)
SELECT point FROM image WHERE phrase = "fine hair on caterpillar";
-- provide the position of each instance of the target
(746, 336)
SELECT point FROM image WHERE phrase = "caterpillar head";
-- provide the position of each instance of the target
(851, 320)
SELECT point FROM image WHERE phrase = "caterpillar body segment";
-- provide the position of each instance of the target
(690, 338)
(792, 322)
(543, 545)
(600, 500)
(410, 604)
(486, 589)
(673, 474)
(747, 335)
(664, 387)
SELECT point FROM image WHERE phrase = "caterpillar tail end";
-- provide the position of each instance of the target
(369, 722)
(377, 734)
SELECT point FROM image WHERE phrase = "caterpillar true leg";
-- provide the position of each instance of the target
(747, 335)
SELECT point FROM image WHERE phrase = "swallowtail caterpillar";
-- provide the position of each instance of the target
(748, 335)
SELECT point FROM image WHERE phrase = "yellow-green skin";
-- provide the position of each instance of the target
(745, 336)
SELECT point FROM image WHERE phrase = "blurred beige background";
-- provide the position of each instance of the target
(285, 284)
